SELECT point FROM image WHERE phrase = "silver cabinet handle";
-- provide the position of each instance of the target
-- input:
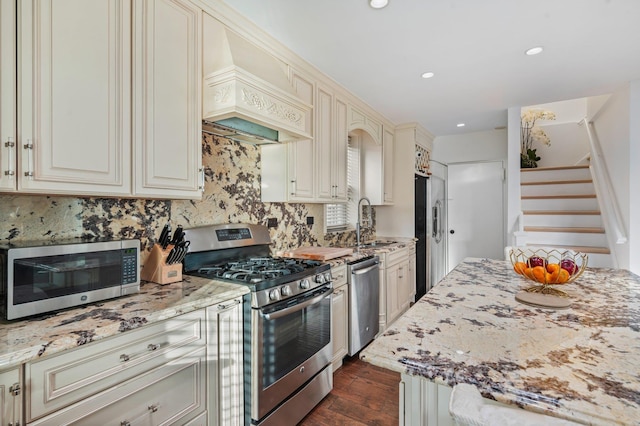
(10, 145)
(234, 302)
(153, 346)
(29, 146)
(293, 187)
(125, 423)
(124, 358)
(153, 408)
(201, 173)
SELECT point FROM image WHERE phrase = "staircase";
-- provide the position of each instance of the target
(560, 209)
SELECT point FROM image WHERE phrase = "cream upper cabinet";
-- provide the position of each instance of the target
(387, 159)
(74, 96)
(288, 169)
(331, 146)
(109, 99)
(8, 99)
(359, 120)
(167, 86)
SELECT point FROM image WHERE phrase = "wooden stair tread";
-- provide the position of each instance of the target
(581, 230)
(563, 212)
(582, 249)
(542, 169)
(556, 182)
(557, 197)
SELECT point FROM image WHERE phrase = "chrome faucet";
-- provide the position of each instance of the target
(358, 225)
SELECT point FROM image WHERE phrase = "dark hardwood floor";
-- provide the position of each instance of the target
(362, 394)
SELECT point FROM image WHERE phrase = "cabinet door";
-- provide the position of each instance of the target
(167, 76)
(393, 274)
(301, 154)
(323, 140)
(8, 98)
(404, 286)
(339, 324)
(225, 364)
(74, 96)
(10, 398)
(340, 144)
(387, 153)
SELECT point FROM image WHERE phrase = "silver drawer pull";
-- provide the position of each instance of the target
(153, 346)
(124, 358)
(125, 423)
(153, 408)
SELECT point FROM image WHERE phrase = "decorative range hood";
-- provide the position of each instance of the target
(247, 95)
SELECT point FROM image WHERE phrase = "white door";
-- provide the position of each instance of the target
(475, 211)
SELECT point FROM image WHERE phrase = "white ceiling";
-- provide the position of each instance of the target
(475, 48)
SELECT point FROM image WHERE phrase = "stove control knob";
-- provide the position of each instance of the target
(285, 290)
(304, 284)
(274, 294)
(319, 279)
(327, 276)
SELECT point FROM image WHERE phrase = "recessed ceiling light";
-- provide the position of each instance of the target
(378, 4)
(427, 75)
(534, 51)
(460, 125)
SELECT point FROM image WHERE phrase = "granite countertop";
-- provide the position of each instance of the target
(399, 243)
(580, 363)
(26, 340)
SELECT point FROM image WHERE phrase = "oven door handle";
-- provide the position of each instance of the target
(295, 308)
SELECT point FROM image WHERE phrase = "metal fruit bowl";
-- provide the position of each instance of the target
(548, 266)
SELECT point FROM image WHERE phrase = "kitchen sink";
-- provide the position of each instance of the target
(377, 243)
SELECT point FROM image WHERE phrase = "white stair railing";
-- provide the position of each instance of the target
(604, 191)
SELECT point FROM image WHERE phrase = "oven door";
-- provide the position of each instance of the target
(291, 344)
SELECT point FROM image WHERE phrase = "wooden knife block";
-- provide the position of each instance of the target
(156, 270)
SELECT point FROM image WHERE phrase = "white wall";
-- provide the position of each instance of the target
(612, 130)
(634, 176)
(476, 146)
(569, 144)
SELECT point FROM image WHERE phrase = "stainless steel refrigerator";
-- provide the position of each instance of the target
(430, 228)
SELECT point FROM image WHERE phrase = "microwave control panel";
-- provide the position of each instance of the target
(129, 265)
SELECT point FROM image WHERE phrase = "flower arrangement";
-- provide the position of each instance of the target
(529, 134)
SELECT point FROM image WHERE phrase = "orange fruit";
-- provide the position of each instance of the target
(552, 267)
(528, 272)
(552, 277)
(519, 267)
(563, 276)
(539, 274)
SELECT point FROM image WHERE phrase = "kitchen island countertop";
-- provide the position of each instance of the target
(581, 363)
(26, 340)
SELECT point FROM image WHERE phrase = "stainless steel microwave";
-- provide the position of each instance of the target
(44, 277)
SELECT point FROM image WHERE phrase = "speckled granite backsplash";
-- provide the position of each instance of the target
(232, 195)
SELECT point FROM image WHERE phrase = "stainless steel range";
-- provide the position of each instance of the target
(287, 333)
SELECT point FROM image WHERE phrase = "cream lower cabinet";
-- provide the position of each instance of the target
(102, 79)
(225, 364)
(399, 283)
(184, 370)
(11, 391)
(339, 315)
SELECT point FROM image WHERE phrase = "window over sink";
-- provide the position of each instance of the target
(343, 216)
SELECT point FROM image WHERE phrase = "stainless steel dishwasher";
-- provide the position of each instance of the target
(363, 280)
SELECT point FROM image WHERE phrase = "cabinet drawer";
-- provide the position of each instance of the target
(63, 379)
(396, 256)
(339, 274)
(173, 393)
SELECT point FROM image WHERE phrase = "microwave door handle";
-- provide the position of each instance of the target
(299, 307)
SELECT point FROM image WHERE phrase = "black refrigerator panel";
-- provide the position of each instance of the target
(421, 233)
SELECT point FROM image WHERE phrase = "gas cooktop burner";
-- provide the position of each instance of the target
(257, 269)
